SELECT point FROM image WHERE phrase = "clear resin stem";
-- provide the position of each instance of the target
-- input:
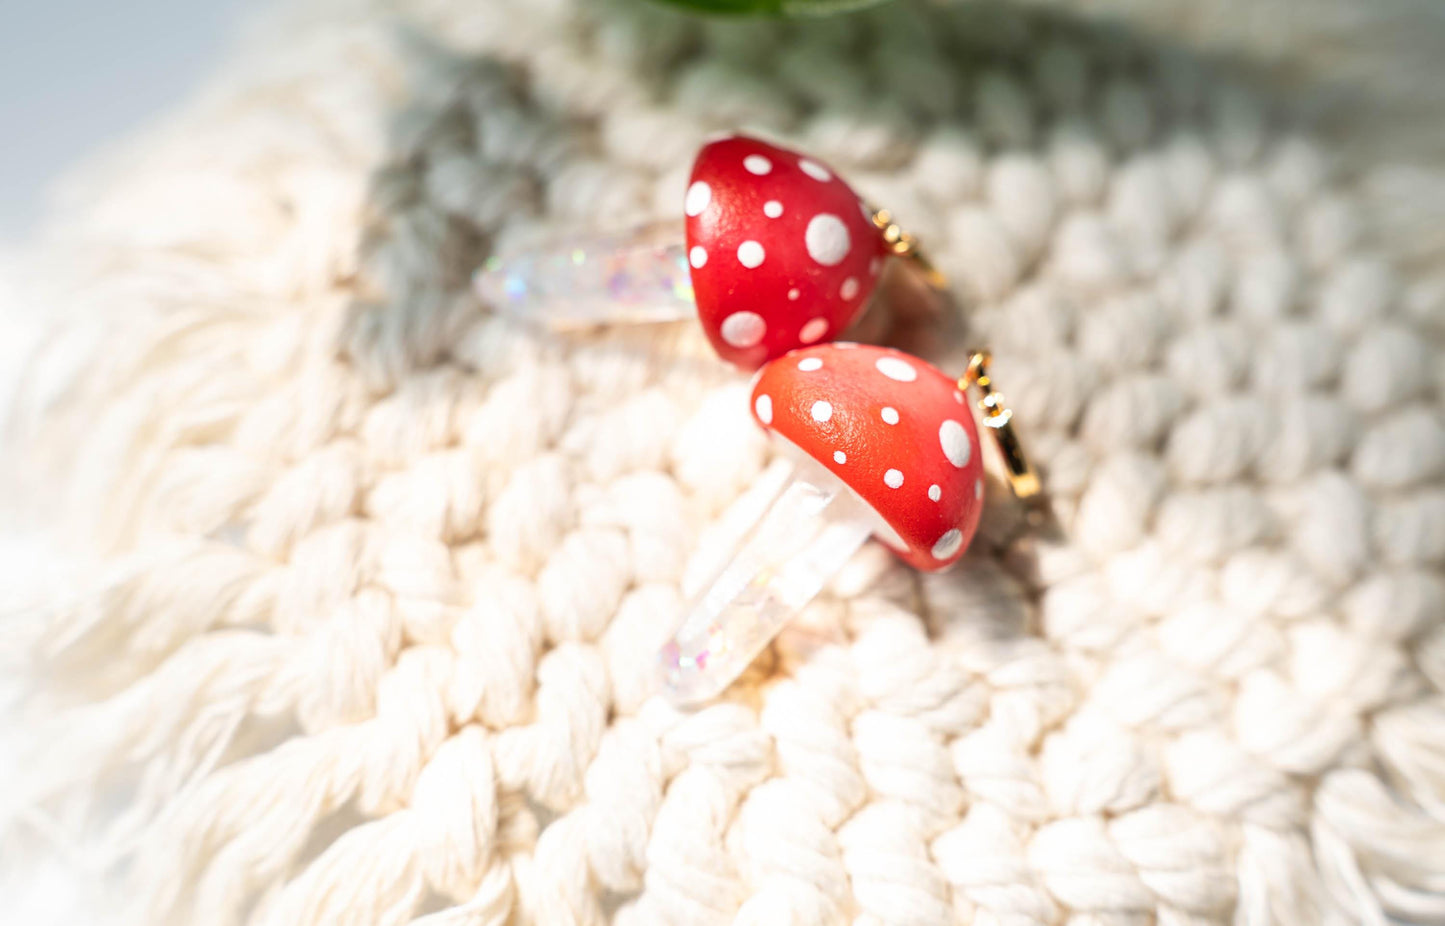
(629, 277)
(805, 537)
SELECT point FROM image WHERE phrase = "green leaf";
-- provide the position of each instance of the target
(773, 7)
(825, 7)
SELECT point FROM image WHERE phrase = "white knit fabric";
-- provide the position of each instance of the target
(333, 593)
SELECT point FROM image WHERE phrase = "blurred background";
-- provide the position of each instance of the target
(77, 72)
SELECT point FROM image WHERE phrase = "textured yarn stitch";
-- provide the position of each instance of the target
(332, 591)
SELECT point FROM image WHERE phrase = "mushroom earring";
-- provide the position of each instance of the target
(778, 253)
(881, 444)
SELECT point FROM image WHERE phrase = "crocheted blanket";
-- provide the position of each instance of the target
(332, 591)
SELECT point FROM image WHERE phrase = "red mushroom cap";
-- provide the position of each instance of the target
(894, 429)
(783, 252)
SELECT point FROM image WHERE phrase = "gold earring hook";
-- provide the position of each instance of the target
(903, 244)
(998, 418)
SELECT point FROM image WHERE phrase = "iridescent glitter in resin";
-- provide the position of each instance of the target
(625, 277)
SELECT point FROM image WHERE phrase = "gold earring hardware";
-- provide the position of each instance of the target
(998, 418)
(902, 244)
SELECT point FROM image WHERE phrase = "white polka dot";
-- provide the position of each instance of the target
(894, 368)
(893, 478)
(757, 164)
(750, 254)
(840, 457)
(743, 329)
(958, 397)
(827, 239)
(954, 440)
(764, 407)
(934, 492)
(697, 256)
(822, 411)
(813, 330)
(809, 364)
(814, 169)
(849, 288)
(793, 295)
(948, 544)
(978, 489)
(874, 266)
(890, 415)
(698, 196)
(772, 208)
(845, 345)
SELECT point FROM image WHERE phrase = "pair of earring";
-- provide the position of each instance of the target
(780, 257)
